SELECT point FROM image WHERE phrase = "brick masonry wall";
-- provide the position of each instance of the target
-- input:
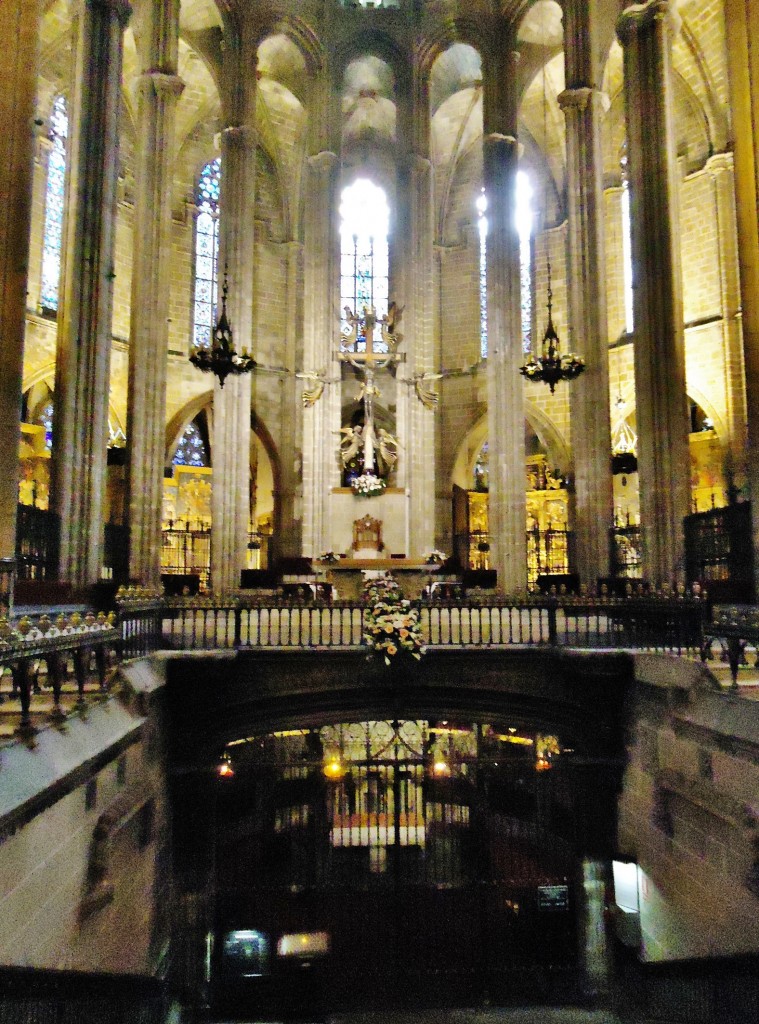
(689, 813)
(53, 913)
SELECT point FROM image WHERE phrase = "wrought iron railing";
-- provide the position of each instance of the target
(549, 553)
(625, 559)
(719, 552)
(76, 649)
(651, 623)
(186, 551)
(38, 534)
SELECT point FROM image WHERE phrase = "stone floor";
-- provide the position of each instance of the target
(491, 1015)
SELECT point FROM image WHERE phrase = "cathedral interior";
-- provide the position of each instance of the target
(466, 293)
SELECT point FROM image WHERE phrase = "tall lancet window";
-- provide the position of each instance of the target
(206, 252)
(524, 230)
(627, 267)
(364, 223)
(523, 217)
(54, 199)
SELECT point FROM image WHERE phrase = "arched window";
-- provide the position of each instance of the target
(54, 200)
(523, 218)
(192, 449)
(364, 263)
(524, 229)
(206, 252)
(627, 268)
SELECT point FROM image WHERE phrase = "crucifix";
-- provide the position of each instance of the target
(369, 343)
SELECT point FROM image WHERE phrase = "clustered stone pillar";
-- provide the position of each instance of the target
(743, 65)
(507, 512)
(19, 27)
(159, 90)
(230, 496)
(589, 394)
(646, 32)
(416, 423)
(721, 169)
(83, 358)
(320, 421)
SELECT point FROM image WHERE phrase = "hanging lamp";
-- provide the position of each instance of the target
(221, 359)
(551, 366)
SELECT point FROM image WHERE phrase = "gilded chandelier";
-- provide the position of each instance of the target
(221, 358)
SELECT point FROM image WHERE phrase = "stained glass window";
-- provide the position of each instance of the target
(524, 228)
(54, 199)
(206, 253)
(364, 261)
(523, 219)
(627, 272)
(44, 417)
(192, 449)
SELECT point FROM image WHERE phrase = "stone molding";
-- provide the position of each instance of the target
(164, 85)
(636, 19)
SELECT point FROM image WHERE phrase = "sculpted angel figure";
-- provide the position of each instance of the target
(351, 442)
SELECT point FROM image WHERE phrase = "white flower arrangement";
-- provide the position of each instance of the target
(391, 625)
(367, 485)
(436, 557)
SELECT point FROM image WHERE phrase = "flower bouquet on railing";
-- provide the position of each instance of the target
(435, 557)
(368, 485)
(391, 624)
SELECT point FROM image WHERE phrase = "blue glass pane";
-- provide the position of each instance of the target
(191, 450)
(52, 235)
(206, 251)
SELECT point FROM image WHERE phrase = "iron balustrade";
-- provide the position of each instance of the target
(549, 553)
(78, 649)
(651, 623)
(719, 552)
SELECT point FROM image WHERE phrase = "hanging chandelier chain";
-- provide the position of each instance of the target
(550, 366)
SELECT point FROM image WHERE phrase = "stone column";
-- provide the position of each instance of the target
(721, 169)
(417, 259)
(19, 27)
(230, 497)
(646, 32)
(743, 66)
(159, 89)
(288, 528)
(589, 394)
(506, 500)
(321, 421)
(83, 358)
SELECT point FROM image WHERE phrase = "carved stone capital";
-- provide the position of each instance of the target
(497, 139)
(637, 18)
(720, 163)
(323, 162)
(160, 84)
(575, 99)
(240, 136)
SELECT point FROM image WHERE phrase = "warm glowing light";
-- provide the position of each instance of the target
(542, 765)
(225, 769)
(334, 768)
(440, 767)
(522, 741)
